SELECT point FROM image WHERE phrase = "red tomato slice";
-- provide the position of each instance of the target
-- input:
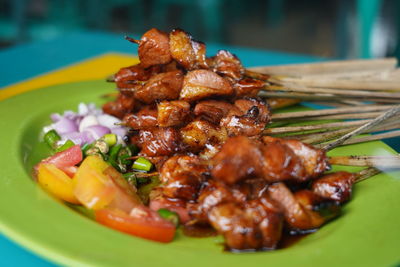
(66, 159)
(142, 222)
(175, 206)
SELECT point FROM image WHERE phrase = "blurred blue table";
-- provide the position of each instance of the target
(28, 60)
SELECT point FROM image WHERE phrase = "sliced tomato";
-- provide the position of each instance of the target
(56, 182)
(98, 185)
(177, 206)
(142, 222)
(65, 160)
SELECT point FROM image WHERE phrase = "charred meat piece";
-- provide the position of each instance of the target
(197, 134)
(213, 110)
(279, 163)
(336, 186)
(131, 76)
(238, 159)
(227, 64)
(182, 177)
(187, 52)
(154, 48)
(249, 118)
(163, 86)
(210, 151)
(159, 142)
(297, 209)
(211, 195)
(248, 87)
(314, 160)
(199, 84)
(118, 108)
(143, 119)
(250, 226)
(247, 104)
(173, 113)
(268, 218)
(239, 230)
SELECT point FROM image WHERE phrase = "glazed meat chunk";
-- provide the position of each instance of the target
(132, 76)
(154, 48)
(143, 119)
(187, 52)
(301, 208)
(159, 142)
(163, 86)
(197, 134)
(212, 110)
(252, 225)
(280, 163)
(249, 118)
(122, 105)
(173, 113)
(199, 84)
(228, 64)
(182, 177)
(314, 160)
(238, 159)
(336, 186)
(248, 87)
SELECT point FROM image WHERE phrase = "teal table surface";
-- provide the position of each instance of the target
(31, 59)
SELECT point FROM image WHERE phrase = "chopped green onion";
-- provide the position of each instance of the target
(114, 151)
(142, 164)
(124, 159)
(169, 216)
(51, 138)
(85, 148)
(65, 146)
(131, 178)
(110, 139)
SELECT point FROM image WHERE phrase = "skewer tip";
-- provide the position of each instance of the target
(130, 39)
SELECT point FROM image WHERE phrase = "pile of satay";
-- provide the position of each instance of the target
(200, 121)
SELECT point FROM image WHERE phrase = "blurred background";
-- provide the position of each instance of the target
(330, 28)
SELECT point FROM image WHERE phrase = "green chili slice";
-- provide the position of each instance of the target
(142, 164)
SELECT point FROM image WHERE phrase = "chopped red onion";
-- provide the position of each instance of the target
(65, 125)
(88, 121)
(120, 131)
(97, 131)
(55, 117)
(78, 138)
(86, 126)
(108, 120)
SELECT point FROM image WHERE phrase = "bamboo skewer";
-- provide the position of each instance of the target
(365, 174)
(332, 67)
(317, 138)
(321, 97)
(295, 87)
(387, 115)
(365, 84)
(314, 113)
(369, 138)
(392, 161)
(316, 128)
(350, 116)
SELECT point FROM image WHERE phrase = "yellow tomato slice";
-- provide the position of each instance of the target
(98, 185)
(56, 182)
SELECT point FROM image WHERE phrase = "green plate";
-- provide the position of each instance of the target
(367, 233)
